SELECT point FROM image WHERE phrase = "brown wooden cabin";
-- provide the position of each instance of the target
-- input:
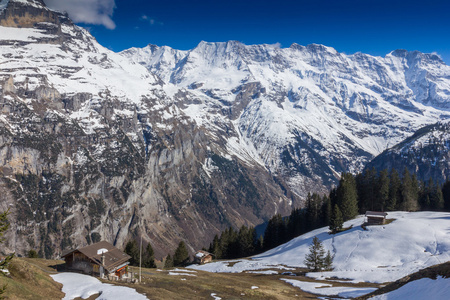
(99, 259)
(375, 217)
(202, 257)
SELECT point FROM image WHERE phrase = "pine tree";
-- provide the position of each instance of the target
(328, 210)
(296, 223)
(437, 198)
(148, 258)
(394, 191)
(410, 192)
(382, 190)
(312, 211)
(347, 197)
(246, 241)
(315, 260)
(4, 225)
(275, 232)
(228, 243)
(366, 184)
(336, 221)
(328, 262)
(32, 254)
(181, 256)
(214, 248)
(132, 249)
(446, 194)
(169, 262)
(415, 192)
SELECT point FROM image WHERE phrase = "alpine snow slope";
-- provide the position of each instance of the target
(93, 148)
(177, 145)
(385, 253)
(305, 113)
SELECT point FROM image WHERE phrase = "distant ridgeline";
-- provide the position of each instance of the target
(426, 153)
(370, 190)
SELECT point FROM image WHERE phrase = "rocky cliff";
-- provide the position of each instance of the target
(177, 145)
(93, 148)
(426, 153)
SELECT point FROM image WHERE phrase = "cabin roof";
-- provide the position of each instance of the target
(202, 253)
(113, 256)
(376, 214)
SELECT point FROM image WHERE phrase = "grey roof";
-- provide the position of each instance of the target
(113, 257)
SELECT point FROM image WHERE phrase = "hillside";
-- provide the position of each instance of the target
(30, 279)
(93, 148)
(413, 241)
(178, 145)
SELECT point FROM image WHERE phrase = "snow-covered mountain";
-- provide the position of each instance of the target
(304, 113)
(176, 145)
(426, 153)
(93, 147)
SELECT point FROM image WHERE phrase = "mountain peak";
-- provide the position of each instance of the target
(26, 13)
(33, 3)
(417, 55)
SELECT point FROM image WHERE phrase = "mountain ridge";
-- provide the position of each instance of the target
(425, 153)
(178, 145)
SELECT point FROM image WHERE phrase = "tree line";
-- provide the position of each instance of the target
(369, 190)
(146, 256)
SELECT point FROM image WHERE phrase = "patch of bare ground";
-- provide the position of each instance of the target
(161, 285)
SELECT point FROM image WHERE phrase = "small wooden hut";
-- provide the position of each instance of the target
(99, 259)
(375, 217)
(202, 257)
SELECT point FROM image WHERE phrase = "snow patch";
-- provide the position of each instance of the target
(328, 290)
(424, 288)
(84, 286)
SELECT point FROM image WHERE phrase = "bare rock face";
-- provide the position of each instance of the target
(173, 145)
(26, 14)
(425, 154)
(8, 85)
(85, 156)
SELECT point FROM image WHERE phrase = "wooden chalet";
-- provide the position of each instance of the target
(375, 217)
(100, 259)
(202, 257)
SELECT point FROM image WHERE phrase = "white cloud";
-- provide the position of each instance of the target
(98, 12)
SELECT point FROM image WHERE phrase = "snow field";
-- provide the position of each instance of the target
(328, 289)
(78, 285)
(424, 288)
(379, 254)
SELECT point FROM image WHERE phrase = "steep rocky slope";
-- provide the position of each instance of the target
(305, 113)
(176, 145)
(92, 147)
(426, 153)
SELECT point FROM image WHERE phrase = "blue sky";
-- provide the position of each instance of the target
(376, 27)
